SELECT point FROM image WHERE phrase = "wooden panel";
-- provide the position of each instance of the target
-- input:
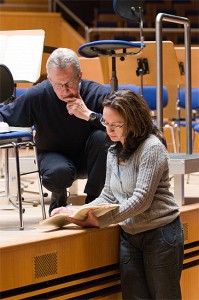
(126, 70)
(180, 52)
(190, 219)
(190, 274)
(57, 32)
(92, 69)
(69, 287)
(70, 37)
(72, 262)
(49, 22)
(25, 1)
(189, 283)
(181, 136)
(48, 259)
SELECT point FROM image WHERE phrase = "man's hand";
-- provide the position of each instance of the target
(77, 107)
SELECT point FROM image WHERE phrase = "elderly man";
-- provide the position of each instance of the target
(65, 111)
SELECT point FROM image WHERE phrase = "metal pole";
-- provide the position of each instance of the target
(184, 21)
(188, 98)
(159, 66)
(114, 81)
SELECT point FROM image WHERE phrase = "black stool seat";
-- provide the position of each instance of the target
(108, 47)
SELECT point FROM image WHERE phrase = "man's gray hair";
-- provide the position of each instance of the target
(62, 58)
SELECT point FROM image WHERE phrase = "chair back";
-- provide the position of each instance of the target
(128, 9)
(194, 96)
(149, 95)
(196, 128)
(131, 87)
(6, 84)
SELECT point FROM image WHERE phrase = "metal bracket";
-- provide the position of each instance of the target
(181, 66)
(143, 66)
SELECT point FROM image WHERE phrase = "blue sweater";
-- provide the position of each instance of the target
(56, 130)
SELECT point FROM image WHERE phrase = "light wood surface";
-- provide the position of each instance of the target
(92, 69)
(40, 255)
(58, 33)
(180, 52)
(126, 70)
(71, 250)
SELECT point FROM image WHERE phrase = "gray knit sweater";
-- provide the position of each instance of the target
(141, 187)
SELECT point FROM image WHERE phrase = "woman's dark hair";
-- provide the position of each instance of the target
(138, 123)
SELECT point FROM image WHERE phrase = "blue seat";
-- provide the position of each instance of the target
(16, 136)
(195, 131)
(20, 91)
(196, 128)
(194, 95)
(195, 105)
(131, 87)
(181, 105)
(149, 94)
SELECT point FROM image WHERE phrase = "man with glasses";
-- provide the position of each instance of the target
(65, 111)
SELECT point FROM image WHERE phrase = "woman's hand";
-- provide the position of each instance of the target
(91, 220)
(67, 210)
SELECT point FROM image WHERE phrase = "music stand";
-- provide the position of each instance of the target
(130, 10)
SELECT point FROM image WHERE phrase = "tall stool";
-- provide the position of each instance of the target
(131, 11)
(113, 48)
(15, 140)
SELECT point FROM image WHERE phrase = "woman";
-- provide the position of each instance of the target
(137, 177)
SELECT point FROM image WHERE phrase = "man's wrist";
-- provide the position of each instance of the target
(92, 116)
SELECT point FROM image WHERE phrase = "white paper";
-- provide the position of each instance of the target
(21, 51)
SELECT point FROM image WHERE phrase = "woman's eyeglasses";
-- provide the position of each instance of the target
(113, 126)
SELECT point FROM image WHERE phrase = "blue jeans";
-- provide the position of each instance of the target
(151, 263)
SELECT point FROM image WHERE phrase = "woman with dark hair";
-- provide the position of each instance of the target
(137, 178)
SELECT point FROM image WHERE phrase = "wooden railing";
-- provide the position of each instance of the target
(57, 5)
(25, 5)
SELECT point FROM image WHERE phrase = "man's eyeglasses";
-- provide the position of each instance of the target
(67, 85)
(111, 126)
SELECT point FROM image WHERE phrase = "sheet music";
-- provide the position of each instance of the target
(21, 51)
